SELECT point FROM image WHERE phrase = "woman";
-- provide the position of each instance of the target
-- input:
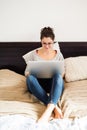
(41, 87)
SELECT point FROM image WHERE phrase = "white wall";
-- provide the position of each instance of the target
(21, 20)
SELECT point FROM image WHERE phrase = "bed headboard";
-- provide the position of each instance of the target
(11, 53)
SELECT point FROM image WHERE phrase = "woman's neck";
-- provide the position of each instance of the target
(47, 51)
(46, 54)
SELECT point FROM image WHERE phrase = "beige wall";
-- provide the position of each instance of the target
(21, 20)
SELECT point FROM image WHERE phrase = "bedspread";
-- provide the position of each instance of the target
(74, 99)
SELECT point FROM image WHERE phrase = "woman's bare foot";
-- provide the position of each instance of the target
(47, 114)
(51, 117)
(57, 112)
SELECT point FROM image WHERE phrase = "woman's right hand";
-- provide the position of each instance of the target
(26, 74)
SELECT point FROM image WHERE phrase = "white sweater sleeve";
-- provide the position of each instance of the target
(27, 57)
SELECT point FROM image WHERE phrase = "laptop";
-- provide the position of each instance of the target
(45, 69)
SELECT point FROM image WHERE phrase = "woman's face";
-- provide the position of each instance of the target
(47, 43)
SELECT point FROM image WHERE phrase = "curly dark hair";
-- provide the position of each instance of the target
(47, 32)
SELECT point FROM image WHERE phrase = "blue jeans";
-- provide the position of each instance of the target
(56, 86)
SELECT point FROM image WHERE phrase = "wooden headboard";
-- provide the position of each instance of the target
(11, 53)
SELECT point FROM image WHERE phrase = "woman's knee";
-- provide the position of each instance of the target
(57, 76)
(30, 78)
(58, 79)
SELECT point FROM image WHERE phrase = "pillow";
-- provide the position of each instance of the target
(75, 68)
(26, 56)
(13, 87)
(56, 46)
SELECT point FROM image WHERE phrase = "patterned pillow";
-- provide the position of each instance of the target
(75, 68)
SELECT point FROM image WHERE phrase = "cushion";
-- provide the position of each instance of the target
(13, 87)
(56, 46)
(75, 68)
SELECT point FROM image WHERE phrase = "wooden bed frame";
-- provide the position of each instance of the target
(11, 53)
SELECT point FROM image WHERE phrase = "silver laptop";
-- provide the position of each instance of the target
(45, 69)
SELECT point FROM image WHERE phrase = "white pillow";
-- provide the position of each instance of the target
(75, 68)
(56, 46)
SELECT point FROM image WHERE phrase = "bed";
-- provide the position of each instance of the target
(19, 109)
